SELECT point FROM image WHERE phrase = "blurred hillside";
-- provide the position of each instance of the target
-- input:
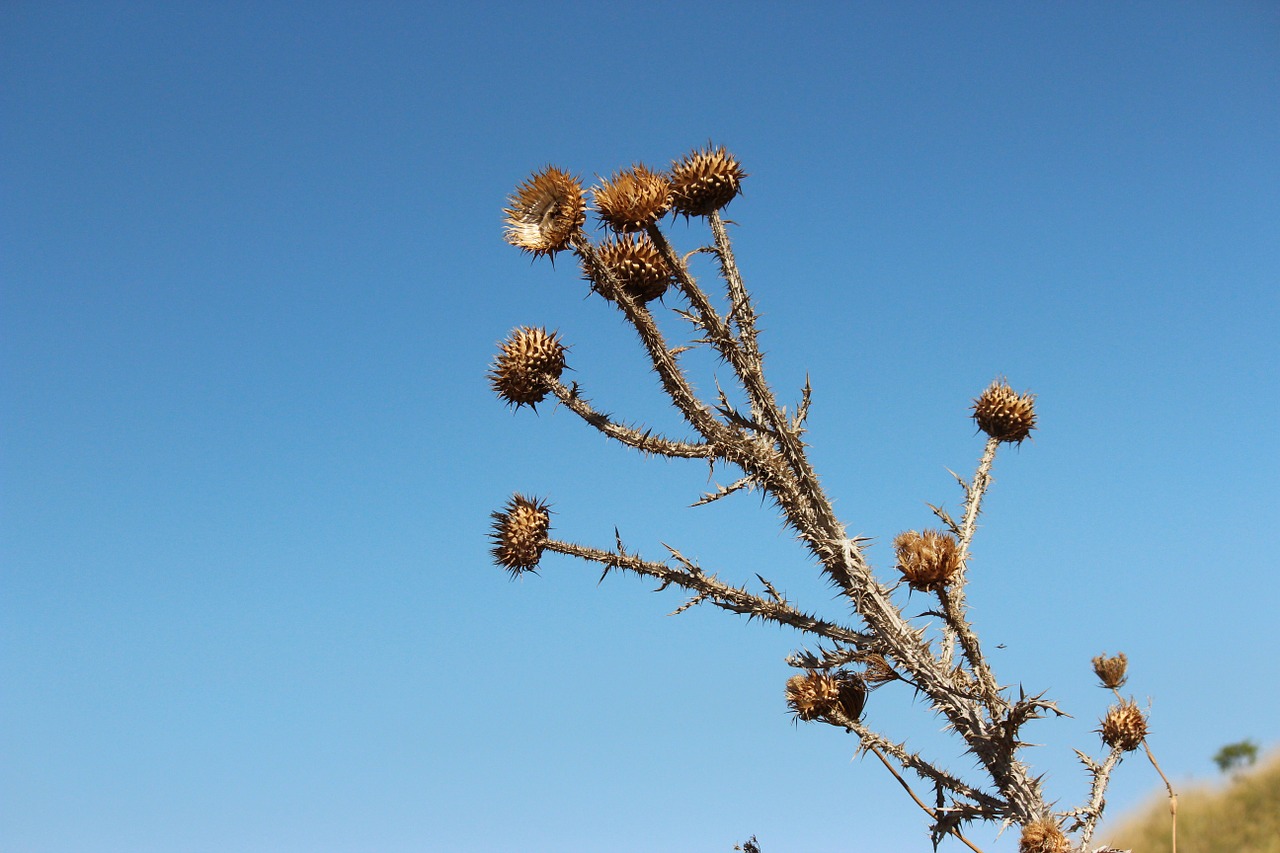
(1239, 815)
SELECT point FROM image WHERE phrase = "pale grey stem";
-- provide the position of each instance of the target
(956, 627)
(741, 311)
(1093, 811)
(994, 807)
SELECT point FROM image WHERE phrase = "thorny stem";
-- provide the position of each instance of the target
(642, 441)
(709, 588)
(957, 625)
(673, 380)
(973, 498)
(930, 812)
(872, 740)
(815, 511)
(741, 312)
(1093, 811)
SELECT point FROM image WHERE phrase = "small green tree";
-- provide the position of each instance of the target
(1235, 756)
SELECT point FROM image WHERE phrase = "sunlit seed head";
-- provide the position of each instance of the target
(545, 212)
(637, 265)
(633, 199)
(1004, 414)
(927, 560)
(526, 362)
(520, 533)
(705, 180)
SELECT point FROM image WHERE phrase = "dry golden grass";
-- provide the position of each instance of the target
(1242, 816)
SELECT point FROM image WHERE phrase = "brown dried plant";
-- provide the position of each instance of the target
(876, 643)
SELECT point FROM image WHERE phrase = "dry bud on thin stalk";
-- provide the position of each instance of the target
(705, 180)
(545, 211)
(927, 560)
(814, 695)
(633, 199)
(1043, 835)
(1111, 671)
(743, 428)
(528, 359)
(520, 533)
(637, 265)
(1124, 726)
(1004, 414)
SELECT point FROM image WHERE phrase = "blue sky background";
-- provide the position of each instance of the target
(253, 276)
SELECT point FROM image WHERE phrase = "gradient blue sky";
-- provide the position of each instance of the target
(253, 276)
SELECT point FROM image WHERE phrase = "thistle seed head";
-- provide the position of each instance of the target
(545, 211)
(1111, 671)
(878, 670)
(1124, 726)
(927, 560)
(637, 265)
(520, 533)
(705, 180)
(816, 694)
(528, 359)
(1043, 835)
(633, 199)
(1004, 414)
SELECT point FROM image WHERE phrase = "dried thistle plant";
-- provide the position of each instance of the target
(874, 643)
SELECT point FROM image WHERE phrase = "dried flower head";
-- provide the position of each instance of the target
(1111, 671)
(1043, 835)
(878, 670)
(529, 358)
(705, 180)
(927, 560)
(1124, 726)
(545, 211)
(520, 533)
(633, 199)
(1004, 414)
(816, 694)
(637, 265)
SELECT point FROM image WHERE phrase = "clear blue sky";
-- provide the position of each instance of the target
(253, 275)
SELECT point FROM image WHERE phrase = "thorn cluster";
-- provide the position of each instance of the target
(527, 360)
(1004, 414)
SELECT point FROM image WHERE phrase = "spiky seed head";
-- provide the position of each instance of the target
(633, 199)
(1004, 414)
(520, 533)
(529, 358)
(927, 560)
(1043, 835)
(816, 694)
(705, 180)
(545, 211)
(878, 670)
(1124, 726)
(637, 265)
(1111, 671)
